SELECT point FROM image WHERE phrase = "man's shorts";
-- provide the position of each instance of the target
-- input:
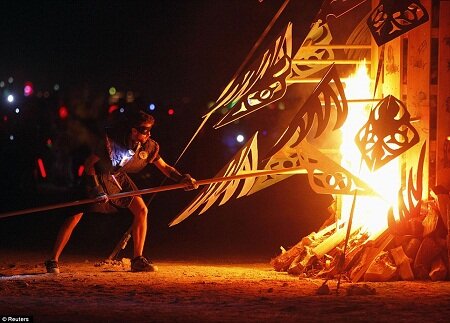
(113, 184)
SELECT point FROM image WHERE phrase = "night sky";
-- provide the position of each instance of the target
(166, 48)
(180, 53)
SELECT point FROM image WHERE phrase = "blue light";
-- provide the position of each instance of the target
(151, 107)
(121, 110)
(10, 98)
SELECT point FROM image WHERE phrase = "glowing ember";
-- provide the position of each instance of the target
(370, 211)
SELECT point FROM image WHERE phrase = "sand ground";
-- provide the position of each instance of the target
(204, 291)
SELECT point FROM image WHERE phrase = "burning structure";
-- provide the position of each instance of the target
(379, 71)
(401, 232)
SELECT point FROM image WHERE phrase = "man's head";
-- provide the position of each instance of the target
(141, 125)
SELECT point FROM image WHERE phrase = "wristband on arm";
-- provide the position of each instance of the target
(185, 179)
(93, 187)
(175, 175)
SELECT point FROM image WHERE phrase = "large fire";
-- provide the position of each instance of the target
(370, 211)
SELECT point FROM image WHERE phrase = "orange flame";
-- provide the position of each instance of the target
(370, 211)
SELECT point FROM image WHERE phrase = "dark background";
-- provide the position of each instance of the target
(175, 54)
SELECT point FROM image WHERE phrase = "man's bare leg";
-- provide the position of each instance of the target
(64, 235)
(139, 226)
(139, 233)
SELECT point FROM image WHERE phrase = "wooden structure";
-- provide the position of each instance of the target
(416, 69)
(442, 35)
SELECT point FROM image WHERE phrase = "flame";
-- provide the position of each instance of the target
(370, 211)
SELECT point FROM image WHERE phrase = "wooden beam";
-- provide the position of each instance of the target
(368, 46)
(328, 62)
(443, 105)
(418, 92)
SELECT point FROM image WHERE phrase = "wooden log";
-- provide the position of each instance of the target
(310, 255)
(369, 255)
(415, 227)
(442, 197)
(381, 269)
(428, 250)
(403, 263)
(333, 241)
(402, 240)
(300, 263)
(438, 270)
(354, 254)
(411, 247)
(430, 222)
(444, 208)
(283, 261)
(295, 268)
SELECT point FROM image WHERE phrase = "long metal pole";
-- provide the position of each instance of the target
(292, 170)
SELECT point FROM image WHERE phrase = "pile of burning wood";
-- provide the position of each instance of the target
(414, 248)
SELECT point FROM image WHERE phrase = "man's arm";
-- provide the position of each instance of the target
(90, 179)
(175, 175)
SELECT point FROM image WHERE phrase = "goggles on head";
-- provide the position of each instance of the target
(143, 130)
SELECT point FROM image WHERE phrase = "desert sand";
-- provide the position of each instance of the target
(207, 290)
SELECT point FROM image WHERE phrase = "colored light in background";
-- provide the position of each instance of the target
(10, 80)
(112, 90)
(63, 112)
(42, 168)
(80, 170)
(121, 110)
(2, 84)
(49, 143)
(10, 98)
(5, 118)
(112, 108)
(17, 110)
(56, 87)
(28, 89)
(11, 137)
(171, 112)
(151, 107)
(240, 138)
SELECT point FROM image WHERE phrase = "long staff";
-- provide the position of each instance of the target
(295, 170)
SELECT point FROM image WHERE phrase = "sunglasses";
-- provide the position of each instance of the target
(143, 130)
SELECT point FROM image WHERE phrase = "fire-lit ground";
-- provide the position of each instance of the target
(204, 291)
